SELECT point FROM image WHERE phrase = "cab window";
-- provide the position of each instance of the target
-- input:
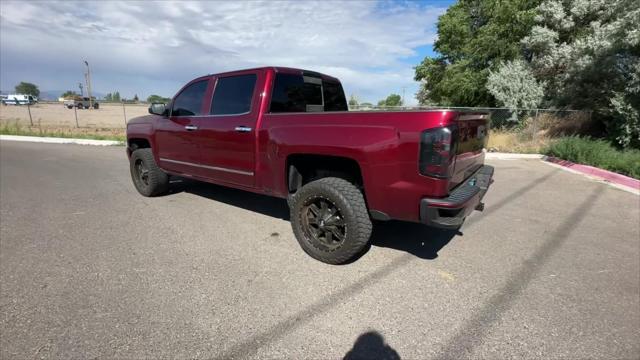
(189, 101)
(233, 95)
(297, 93)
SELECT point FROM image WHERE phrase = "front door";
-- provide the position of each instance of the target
(176, 136)
(227, 135)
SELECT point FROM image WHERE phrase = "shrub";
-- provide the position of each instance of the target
(598, 153)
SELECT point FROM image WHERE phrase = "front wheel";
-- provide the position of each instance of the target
(147, 177)
(330, 220)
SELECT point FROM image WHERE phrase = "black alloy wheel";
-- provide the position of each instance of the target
(142, 172)
(323, 222)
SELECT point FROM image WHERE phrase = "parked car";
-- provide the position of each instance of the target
(19, 99)
(288, 133)
(81, 103)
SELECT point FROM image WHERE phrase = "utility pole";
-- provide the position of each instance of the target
(88, 76)
(403, 88)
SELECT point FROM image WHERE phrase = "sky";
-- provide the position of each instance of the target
(149, 48)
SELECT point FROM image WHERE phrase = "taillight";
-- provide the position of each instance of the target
(438, 151)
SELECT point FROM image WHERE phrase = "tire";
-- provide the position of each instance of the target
(96, 106)
(316, 225)
(69, 106)
(80, 106)
(147, 177)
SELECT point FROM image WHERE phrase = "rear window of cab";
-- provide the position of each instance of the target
(303, 93)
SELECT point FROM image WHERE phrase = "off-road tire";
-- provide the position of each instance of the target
(349, 201)
(157, 181)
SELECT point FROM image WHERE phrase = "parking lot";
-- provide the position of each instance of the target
(91, 269)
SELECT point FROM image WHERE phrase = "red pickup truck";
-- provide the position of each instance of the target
(288, 133)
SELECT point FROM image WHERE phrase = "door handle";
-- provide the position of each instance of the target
(191, 127)
(243, 129)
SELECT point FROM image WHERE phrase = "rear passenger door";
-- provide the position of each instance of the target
(227, 135)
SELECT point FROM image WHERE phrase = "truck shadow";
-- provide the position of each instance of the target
(419, 240)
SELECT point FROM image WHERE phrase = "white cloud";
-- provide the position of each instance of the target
(147, 47)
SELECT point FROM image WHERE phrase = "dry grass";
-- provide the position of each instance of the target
(515, 142)
(53, 114)
(536, 134)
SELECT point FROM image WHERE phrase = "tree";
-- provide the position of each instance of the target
(135, 98)
(158, 99)
(474, 37)
(353, 101)
(27, 89)
(116, 96)
(588, 53)
(391, 100)
(69, 94)
(514, 86)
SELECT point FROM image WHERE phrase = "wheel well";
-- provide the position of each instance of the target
(304, 168)
(138, 144)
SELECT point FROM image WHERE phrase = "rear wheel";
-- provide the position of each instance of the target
(147, 177)
(80, 106)
(96, 106)
(330, 220)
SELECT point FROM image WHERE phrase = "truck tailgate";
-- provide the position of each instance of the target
(472, 136)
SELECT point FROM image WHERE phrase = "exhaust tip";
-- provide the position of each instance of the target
(480, 206)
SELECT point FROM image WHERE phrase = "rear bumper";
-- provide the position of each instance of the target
(450, 212)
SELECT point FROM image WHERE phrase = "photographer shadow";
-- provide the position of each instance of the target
(371, 345)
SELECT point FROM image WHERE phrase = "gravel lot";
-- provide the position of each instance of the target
(89, 268)
(56, 115)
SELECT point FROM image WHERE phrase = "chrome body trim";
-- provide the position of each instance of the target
(233, 171)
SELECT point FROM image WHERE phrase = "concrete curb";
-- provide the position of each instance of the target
(510, 156)
(53, 140)
(616, 180)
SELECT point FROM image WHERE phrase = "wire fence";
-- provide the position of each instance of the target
(528, 123)
(55, 115)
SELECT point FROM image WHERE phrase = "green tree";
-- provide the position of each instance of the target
(27, 89)
(69, 94)
(514, 86)
(474, 37)
(587, 53)
(391, 100)
(158, 99)
(116, 96)
(135, 98)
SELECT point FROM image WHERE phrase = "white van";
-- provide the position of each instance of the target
(19, 99)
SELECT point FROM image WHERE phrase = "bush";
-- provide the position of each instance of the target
(598, 153)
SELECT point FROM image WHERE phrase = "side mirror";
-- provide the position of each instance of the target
(158, 109)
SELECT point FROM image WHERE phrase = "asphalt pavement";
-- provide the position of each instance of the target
(91, 269)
